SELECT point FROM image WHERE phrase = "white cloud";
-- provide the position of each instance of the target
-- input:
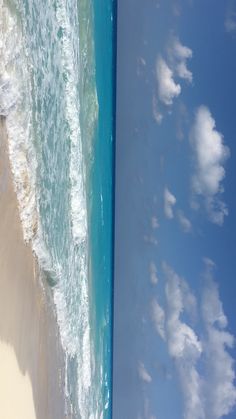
(154, 222)
(230, 18)
(175, 65)
(158, 317)
(147, 410)
(230, 23)
(153, 273)
(141, 66)
(219, 387)
(169, 202)
(150, 239)
(182, 340)
(210, 155)
(179, 54)
(156, 111)
(208, 393)
(212, 308)
(167, 88)
(183, 343)
(181, 120)
(143, 374)
(184, 222)
(191, 386)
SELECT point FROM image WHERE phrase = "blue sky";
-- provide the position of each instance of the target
(175, 210)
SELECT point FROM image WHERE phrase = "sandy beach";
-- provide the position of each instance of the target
(31, 359)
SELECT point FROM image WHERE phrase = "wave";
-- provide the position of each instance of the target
(15, 106)
(38, 136)
(77, 170)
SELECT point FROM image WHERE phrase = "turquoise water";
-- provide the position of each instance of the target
(102, 185)
(56, 74)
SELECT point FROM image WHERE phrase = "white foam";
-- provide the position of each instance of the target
(8, 95)
(70, 56)
(77, 169)
(15, 106)
(86, 358)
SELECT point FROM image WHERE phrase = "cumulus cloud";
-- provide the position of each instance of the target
(150, 239)
(158, 317)
(212, 308)
(179, 54)
(182, 340)
(219, 387)
(169, 202)
(183, 343)
(181, 120)
(167, 88)
(191, 387)
(147, 414)
(184, 222)
(158, 116)
(153, 273)
(167, 69)
(230, 17)
(154, 222)
(230, 23)
(143, 374)
(141, 66)
(210, 155)
(208, 393)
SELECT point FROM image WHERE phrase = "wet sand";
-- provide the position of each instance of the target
(31, 358)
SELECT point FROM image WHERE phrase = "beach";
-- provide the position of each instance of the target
(31, 357)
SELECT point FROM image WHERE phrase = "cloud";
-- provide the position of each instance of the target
(147, 414)
(175, 65)
(183, 343)
(209, 392)
(167, 88)
(158, 116)
(219, 387)
(230, 23)
(143, 374)
(184, 222)
(230, 17)
(176, 9)
(179, 54)
(169, 202)
(182, 340)
(212, 308)
(210, 154)
(154, 222)
(158, 317)
(141, 66)
(190, 381)
(181, 120)
(153, 273)
(150, 239)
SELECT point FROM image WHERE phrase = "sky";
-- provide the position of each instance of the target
(175, 248)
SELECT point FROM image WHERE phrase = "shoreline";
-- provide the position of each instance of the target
(32, 367)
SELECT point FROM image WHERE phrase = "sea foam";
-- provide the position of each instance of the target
(77, 171)
(15, 106)
(40, 67)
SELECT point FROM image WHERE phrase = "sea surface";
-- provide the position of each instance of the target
(57, 93)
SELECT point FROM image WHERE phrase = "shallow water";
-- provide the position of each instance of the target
(56, 89)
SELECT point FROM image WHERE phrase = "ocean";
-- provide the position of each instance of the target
(57, 94)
